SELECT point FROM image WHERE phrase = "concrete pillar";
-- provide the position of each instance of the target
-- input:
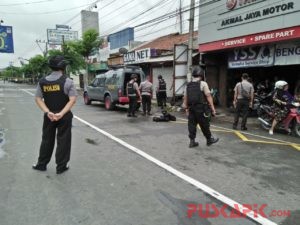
(223, 85)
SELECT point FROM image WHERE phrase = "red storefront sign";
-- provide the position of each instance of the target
(253, 39)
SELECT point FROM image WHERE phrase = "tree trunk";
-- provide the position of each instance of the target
(85, 77)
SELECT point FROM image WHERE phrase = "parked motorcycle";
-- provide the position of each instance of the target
(290, 123)
(259, 99)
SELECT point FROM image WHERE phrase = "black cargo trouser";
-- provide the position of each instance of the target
(146, 101)
(161, 99)
(132, 105)
(196, 116)
(242, 109)
(63, 138)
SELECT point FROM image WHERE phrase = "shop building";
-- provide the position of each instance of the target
(260, 37)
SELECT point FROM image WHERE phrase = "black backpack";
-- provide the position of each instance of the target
(194, 93)
(162, 85)
(245, 94)
(130, 88)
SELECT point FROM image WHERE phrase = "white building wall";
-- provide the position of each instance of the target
(167, 74)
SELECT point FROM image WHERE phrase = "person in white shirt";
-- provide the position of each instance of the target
(146, 89)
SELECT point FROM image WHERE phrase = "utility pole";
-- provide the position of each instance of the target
(45, 52)
(180, 15)
(190, 46)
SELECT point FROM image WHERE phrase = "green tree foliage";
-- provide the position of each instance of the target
(90, 41)
(27, 70)
(75, 60)
(11, 72)
(39, 66)
(75, 53)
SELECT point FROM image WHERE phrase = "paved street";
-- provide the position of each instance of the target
(126, 171)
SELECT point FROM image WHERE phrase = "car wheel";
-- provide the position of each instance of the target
(86, 99)
(108, 103)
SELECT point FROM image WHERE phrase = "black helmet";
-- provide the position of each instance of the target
(57, 62)
(197, 71)
(134, 76)
(159, 77)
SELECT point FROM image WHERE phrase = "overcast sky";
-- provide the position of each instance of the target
(31, 18)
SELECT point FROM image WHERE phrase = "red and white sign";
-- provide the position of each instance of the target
(253, 39)
(230, 4)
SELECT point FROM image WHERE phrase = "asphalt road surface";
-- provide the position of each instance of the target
(126, 171)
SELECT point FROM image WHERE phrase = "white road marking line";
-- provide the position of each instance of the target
(28, 92)
(179, 174)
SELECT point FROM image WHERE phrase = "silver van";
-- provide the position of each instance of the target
(110, 87)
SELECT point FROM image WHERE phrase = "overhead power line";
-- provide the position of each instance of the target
(166, 16)
(117, 27)
(26, 3)
(44, 13)
(100, 8)
(162, 28)
(29, 49)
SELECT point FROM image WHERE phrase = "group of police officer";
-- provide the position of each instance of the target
(198, 102)
(56, 95)
(143, 93)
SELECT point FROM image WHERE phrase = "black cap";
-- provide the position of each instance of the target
(57, 62)
(197, 71)
(159, 77)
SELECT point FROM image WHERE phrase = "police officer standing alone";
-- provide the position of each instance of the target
(133, 93)
(146, 88)
(161, 92)
(55, 96)
(242, 101)
(197, 99)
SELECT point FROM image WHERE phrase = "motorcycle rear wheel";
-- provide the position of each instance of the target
(296, 129)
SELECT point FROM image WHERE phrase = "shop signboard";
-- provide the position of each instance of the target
(287, 53)
(254, 39)
(138, 56)
(6, 39)
(231, 19)
(257, 56)
(57, 37)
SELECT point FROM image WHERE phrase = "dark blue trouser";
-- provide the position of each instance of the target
(63, 138)
(242, 109)
(196, 116)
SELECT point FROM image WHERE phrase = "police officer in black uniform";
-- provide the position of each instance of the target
(133, 94)
(55, 96)
(198, 103)
(161, 92)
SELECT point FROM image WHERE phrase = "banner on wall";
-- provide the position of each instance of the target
(6, 39)
(287, 53)
(256, 56)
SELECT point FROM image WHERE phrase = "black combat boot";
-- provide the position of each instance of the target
(62, 169)
(193, 143)
(211, 141)
(39, 167)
